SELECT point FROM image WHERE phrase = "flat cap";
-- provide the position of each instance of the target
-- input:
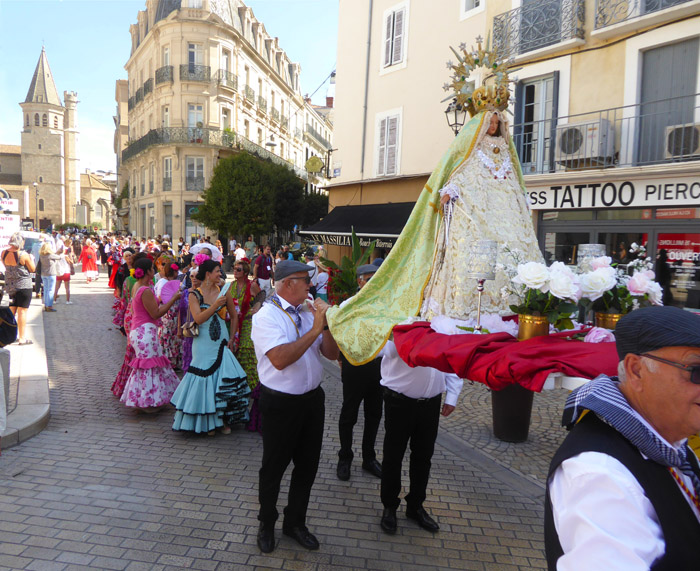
(288, 267)
(651, 328)
(366, 269)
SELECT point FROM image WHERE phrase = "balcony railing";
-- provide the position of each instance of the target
(227, 79)
(537, 25)
(284, 121)
(148, 86)
(261, 153)
(192, 72)
(262, 104)
(138, 97)
(179, 136)
(164, 74)
(609, 12)
(167, 183)
(131, 103)
(651, 133)
(249, 93)
(275, 114)
(316, 135)
(194, 183)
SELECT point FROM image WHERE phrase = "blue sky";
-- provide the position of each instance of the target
(87, 43)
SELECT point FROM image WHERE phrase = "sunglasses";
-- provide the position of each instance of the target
(237, 269)
(694, 370)
(306, 279)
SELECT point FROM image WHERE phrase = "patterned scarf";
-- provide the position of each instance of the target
(603, 397)
(295, 312)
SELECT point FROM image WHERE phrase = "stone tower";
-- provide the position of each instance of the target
(49, 147)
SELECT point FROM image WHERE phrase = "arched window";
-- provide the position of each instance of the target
(45, 120)
(41, 205)
(41, 179)
(98, 211)
(55, 121)
(36, 119)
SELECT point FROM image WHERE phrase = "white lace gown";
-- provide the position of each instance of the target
(489, 204)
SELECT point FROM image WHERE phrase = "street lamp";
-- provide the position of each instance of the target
(456, 114)
(36, 205)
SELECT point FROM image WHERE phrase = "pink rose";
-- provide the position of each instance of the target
(639, 283)
(599, 335)
(601, 262)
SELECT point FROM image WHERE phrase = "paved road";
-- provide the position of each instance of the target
(106, 488)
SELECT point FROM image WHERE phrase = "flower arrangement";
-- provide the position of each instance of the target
(199, 259)
(609, 288)
(552, 292)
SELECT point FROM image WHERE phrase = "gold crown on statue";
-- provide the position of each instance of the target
(491, 96)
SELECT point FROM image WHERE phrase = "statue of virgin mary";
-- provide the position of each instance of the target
(475, 193)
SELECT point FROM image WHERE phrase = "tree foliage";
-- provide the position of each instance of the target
(315, 207)
(250, 196)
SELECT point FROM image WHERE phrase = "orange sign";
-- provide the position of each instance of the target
(677, 213)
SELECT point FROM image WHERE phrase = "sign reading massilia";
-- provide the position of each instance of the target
(617, 193)
(344, 240)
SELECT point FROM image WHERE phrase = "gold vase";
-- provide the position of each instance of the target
(607, 320)
(530, 326)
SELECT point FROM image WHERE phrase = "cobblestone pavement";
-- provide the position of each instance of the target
(106, 488)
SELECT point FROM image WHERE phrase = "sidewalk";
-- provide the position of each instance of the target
(28, 403)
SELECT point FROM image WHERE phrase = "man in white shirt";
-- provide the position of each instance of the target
(239, 253)
(623, 487)
(290, 335)
(412, 411)
(232, 245)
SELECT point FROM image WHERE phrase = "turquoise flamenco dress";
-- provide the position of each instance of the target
(214, 391)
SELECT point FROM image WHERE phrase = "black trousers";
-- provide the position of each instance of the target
(408, 420)
(292, 430)
(360, 384)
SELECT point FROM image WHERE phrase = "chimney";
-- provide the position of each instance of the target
(329, 101)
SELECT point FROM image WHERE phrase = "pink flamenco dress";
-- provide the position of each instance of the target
(152, 381)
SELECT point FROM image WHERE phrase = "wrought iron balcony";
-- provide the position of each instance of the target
(262, 104)
(609, 12)
(537, 25)
(316, 135)
(249, 93)
(138, 97)
(167, 183)
(194, 183)
(164, 74)
(192, 72)
(275, 114)
(651, 133)
(227, 79)
(284, 121)
(131, 104)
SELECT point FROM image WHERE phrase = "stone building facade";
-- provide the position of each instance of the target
(205, 81)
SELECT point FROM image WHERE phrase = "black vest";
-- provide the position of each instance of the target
(680, 527)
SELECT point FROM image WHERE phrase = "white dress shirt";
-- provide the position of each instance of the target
(416, 382)
(273, 327)
(602, 516)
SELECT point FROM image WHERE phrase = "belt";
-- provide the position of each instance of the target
(280, 394)
(393, 394)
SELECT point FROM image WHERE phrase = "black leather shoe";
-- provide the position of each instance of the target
(373, 467)
(343, 470)
(266, 538)
(302, 536)
(424, 520)
(388, 522)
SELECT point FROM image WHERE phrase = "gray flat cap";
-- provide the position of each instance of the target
(655, 327)
(288, 267)
(366, 269)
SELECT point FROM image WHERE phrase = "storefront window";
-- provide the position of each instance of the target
(682, 283)
(562, 246)
(625, 214)
(617, 244)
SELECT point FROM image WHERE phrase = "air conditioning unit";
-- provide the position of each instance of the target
(585, 144)
(682, 141)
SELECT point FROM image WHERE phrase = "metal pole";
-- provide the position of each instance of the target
(36, 206)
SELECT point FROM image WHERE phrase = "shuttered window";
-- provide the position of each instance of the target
(387, 153)
(394, 37)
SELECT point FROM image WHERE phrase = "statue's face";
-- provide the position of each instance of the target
(493, 125)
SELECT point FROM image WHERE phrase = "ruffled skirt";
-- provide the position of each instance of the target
(152, 381)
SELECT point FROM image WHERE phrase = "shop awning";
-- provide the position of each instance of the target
(381, 222)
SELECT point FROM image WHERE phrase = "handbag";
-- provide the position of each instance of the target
(190, 328)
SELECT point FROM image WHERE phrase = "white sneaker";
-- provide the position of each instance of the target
(69, 303)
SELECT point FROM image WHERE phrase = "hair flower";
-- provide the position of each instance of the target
(131, 272)
(199, 259)
(138, 273)
(174, 267)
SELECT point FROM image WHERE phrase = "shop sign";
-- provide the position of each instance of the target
(680, 247)
(677, 213)
(341, 240)
(11, 204)
(9, 224)
(617, 193)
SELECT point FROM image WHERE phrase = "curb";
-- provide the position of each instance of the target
(29, 373)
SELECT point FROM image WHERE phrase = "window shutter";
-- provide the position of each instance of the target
(392, 136)
(381, 156)
(397, 55)
(388, 34)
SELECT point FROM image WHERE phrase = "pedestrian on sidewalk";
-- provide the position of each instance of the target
(623, 488)
(88, 257)
(360, 385)
(65, 269)
(411, 414)
(49, 270)
(18, 282)
(262, 271)
(290, 336)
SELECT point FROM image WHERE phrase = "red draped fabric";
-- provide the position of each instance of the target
(499, 359)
